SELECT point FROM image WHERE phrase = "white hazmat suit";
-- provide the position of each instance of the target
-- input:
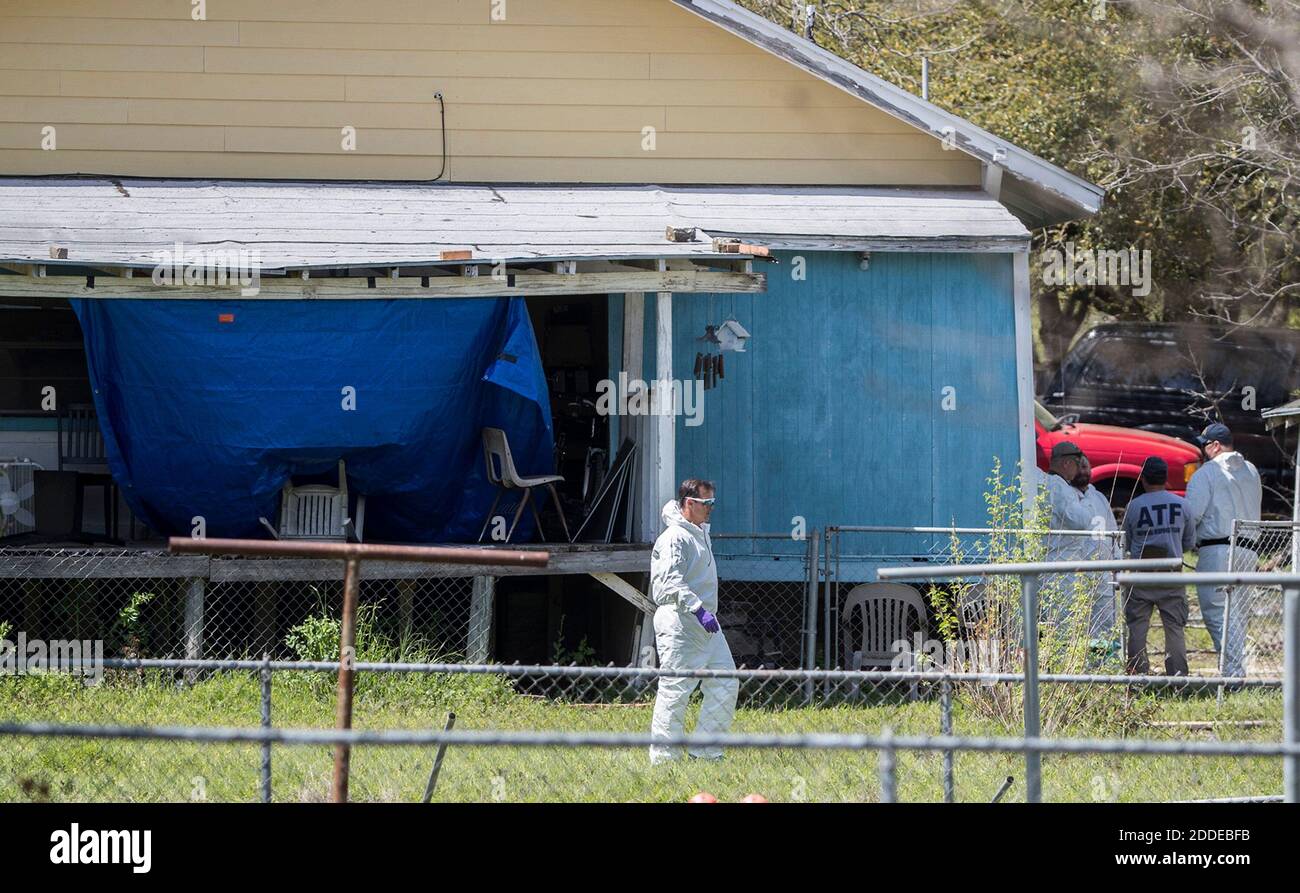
(1223, 489)
(1088, 510)
(684, 578)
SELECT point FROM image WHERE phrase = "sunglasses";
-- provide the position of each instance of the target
(709, 502)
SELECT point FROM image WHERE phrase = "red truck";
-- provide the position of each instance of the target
(1116, 453)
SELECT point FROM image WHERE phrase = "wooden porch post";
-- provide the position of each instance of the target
(665, 469)
(405, 609)
(195, 590)
(482, 603)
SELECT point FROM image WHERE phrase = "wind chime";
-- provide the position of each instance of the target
(709, 365)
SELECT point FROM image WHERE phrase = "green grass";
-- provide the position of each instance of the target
(116, 770)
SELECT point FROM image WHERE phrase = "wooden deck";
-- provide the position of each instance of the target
(66, 561)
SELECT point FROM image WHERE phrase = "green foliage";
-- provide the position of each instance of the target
(129, 636)
(319, 638)
(583, 655)
(981, 623)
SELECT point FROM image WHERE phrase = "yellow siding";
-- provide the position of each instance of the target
(561, 91)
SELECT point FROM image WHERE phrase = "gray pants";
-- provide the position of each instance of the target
(1172, 605)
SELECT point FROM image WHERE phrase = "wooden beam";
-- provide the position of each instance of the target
(35, 270)
(289, 288)
(93, 565)
(627, 591)
(665, 424)
(992, 179)
(114, 272)
(103, 565)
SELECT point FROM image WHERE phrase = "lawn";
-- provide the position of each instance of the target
(117, 770)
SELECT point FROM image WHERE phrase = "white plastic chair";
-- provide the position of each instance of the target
(501, 471)
(887, 611)
(318, 512)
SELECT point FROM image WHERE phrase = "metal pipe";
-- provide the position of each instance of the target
(888, 768)
(437, 760)
(828, 634)
(945, 726)
(503, 738)
(1033, 719)
(1033, 567)
(849, 528)
(184, 545)
(266, 724)
(347, 661)
(810, 612)
(570, 671)
(1291, 691)
(1216, 578)
(1006, 786)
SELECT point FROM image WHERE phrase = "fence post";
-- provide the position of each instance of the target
(482, 600)
(347, 663)
(888, 769)
(1291, 692)
(1033, 758)
(266, 724)
(828, 634)
(1227, 607)
(194, 592)
(810, 612)
(945, 727)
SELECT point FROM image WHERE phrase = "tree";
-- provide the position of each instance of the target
(1185, 110)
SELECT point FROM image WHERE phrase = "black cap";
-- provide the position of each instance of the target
(1215, 432)
(1066, 449)
(1155, 470)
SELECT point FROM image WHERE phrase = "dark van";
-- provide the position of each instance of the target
(1174, 378)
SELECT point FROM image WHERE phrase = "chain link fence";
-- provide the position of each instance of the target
(147, 603)
(1253, 614)
(853, 555)
(1157, 734)
(557, 702)
(767, 589)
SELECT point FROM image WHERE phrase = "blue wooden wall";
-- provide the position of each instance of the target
(834, 410)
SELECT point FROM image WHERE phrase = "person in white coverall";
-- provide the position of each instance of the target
(1077, 505)
(688, 636)
(1225, 488)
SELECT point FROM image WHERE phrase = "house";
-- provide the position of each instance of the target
(636, 171)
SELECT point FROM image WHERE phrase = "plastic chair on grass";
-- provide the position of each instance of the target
(887, 611)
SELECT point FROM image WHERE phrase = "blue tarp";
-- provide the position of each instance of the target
(207, 407)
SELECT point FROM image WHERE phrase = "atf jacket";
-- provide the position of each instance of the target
(683, 573)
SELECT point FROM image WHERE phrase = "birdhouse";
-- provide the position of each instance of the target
(732, 335)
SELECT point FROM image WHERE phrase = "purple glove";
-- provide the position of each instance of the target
(707, 620)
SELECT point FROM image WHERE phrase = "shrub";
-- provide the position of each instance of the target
(990, 613)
